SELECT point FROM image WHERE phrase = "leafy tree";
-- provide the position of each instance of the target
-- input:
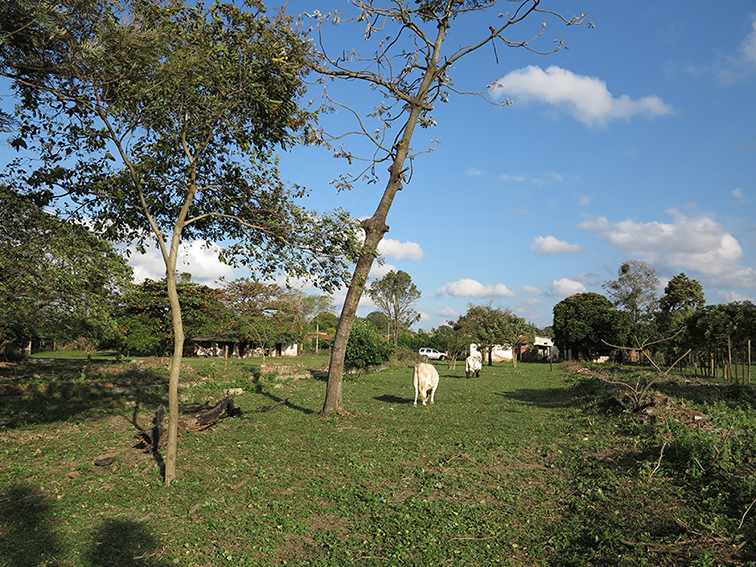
(58, 280)
(145, 316)
(380, 321)
(411, 72)
(366, 347)
(489, 326)
(395, 295)
(265, 314)
(583, 321)
(634, 292)
(682, 297)
(159, 119)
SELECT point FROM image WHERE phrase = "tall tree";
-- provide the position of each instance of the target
(682, 296)
(411, 70)
(634, 292)
(159, 119)
(395, 294)
(58, 280)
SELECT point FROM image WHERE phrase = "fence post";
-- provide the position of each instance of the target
(749, 361)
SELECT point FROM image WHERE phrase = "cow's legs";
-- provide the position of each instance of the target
(415, 395)
(433, 394)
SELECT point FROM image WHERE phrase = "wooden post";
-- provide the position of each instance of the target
(317, 338)
(225, 356)
(729, 359)
(749, 361)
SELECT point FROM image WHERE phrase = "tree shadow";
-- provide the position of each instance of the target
(124, 543)
(546, 398)
(27, 538)
(391, 399)
(58, 390)
(734, 395)
(259, 389)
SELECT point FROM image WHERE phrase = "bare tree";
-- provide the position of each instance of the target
(411, 69)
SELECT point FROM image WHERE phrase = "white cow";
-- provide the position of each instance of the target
(473, 364)
(425, 378)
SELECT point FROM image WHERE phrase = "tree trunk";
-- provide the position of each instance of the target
(173, 380)
(375, 227)
(373, 235)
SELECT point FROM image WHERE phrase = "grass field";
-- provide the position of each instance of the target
(514, 468)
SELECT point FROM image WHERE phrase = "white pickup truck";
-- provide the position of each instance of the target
(432, 354)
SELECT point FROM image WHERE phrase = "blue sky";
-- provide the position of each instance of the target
(639, 141)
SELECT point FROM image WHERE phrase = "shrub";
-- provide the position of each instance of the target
(366, 347)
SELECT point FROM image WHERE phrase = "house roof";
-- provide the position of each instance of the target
(543, 341)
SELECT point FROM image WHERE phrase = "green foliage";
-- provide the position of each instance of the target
(634, 292)
(204, 95)
(145, 322)
(487, 326)
(58, 280)
(366, 347)
(395, 295)
(711, 326)
(582, 321)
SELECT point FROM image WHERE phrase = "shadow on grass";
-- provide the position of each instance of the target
(124, 543)
(29, 538)
(26, 526)
(391, 399)
(702, 393)
(259, 389)
(546, 397)
(58, 390)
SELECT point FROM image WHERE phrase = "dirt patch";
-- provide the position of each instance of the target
(296, 547)
(326, 521)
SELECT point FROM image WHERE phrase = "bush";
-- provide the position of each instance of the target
(366, 347)
(403, 356)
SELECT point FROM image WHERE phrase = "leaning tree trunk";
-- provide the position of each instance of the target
(375, 227)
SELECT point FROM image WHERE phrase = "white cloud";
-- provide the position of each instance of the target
(730, 296)
(467, 287)
(195, 257)
(737, 193)
(587, 98)
(378, 270)
(748, 47)
(400, 250)
(544, 179)
(531, 289)
(552, 245)
(584, 200)
(565, 287)
(699, 244)
(474, 172)
(448, 312)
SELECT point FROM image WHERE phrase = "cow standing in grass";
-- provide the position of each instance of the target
(425, 378)
(473, 364)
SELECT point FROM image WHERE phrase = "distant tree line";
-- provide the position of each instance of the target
(590, 324)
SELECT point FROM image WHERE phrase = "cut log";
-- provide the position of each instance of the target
(207, 418)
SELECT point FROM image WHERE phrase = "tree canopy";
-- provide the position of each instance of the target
(583, 321)
(395, 295)
(58, 279)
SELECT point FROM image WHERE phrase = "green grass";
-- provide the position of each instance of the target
(512, 468)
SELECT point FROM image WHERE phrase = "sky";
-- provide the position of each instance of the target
(638, 141)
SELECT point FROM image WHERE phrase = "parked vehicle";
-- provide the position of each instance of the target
(432, 354)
